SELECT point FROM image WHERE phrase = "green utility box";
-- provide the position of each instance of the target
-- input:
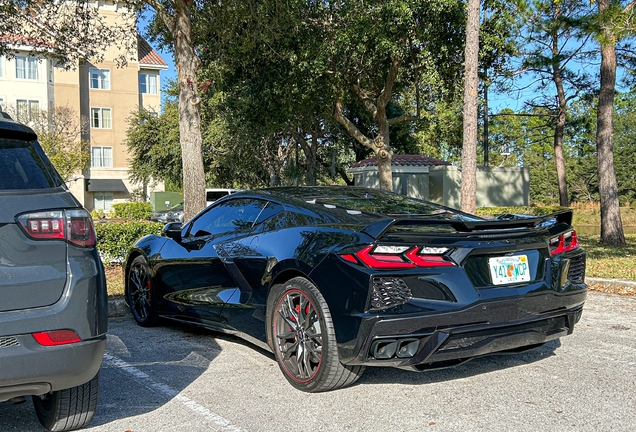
(164, 200)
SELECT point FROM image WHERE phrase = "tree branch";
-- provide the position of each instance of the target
(365, 98)
(387, 91)
(349, 126)
(163, 13)
(300, 140)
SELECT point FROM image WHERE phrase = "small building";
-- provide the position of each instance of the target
(439, 181)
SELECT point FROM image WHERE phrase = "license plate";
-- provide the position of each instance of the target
(509, 269)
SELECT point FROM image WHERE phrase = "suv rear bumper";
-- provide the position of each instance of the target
(27, 368)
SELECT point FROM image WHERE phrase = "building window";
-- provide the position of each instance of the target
(26, 67)
(27, 110)
(102, 157)
(148, 83)
(103, 201)
(100, 118)
(100, 79)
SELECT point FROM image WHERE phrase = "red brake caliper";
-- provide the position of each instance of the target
(297, 309)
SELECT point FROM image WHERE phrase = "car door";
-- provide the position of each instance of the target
(249, 267)
(192, 277)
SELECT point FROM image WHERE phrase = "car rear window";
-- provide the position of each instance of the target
(24, 166)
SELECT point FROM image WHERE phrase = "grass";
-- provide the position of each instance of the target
(590, 215)
(614, 262)
(114, 281)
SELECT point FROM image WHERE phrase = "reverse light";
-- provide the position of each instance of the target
(399, 257)
(56, 337)
(563, 243)
(73, 226)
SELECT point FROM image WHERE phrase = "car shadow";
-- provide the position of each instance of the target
(145, 368)
(476, 366)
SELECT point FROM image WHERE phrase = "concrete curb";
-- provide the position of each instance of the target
(610, 282)
(118, 307)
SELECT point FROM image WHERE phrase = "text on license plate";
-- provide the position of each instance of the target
(509, 269)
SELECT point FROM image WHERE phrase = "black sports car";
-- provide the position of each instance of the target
(334, 279)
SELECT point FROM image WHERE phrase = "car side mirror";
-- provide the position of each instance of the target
(172, 230)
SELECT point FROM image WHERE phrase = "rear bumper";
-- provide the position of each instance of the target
(30, 369)
(27, 368)
(442, 339)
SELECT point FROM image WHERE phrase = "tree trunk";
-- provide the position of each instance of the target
(383, 151)
(611, 224)
(469, 149)
(310, 149)
(559, 129)
(187, 64)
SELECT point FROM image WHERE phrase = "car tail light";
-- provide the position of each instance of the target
(564, 243)
(399, 257)
(56, 337)
(74, 226)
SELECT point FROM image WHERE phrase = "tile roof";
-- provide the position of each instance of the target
(24, 40)
(402, 160)
(148, 56)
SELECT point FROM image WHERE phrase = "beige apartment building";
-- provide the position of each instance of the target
(103, 95)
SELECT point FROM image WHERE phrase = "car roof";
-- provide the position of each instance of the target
(10, 128)
(352, 204)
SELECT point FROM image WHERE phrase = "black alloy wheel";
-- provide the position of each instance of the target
(302, 336)
(141, 294)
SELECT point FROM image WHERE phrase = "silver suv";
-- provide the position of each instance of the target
(53, 301)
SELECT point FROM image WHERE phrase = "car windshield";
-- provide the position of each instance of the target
(22, 166)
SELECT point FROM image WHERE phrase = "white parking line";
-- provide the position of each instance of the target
(145, 380)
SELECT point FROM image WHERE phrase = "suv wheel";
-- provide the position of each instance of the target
(68, 409)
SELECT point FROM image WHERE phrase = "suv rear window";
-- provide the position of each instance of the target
(23, 166)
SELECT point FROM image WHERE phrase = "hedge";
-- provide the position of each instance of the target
(114, 239)
(132, 210)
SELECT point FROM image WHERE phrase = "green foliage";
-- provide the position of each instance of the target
(132, 210)
(114, 239)
(153, 145)
(98, 214)
(59, 132)
(527, 210)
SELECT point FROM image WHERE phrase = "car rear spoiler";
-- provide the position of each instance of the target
(501, 222)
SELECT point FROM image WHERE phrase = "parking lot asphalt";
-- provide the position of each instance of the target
(175, 378)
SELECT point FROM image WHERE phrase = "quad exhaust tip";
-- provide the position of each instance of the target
(389, 348)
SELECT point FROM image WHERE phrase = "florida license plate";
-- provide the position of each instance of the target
(509, 269)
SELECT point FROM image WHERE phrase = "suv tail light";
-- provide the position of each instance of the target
(399, 257)
(56, 337)
(73, 226)
(564, 243)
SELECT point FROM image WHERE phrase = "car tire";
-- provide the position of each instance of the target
(140, 293)
(302, 336)
(68, 409)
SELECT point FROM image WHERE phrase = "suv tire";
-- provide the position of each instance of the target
(68, 409)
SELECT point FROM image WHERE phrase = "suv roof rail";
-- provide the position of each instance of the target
(5, 115)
